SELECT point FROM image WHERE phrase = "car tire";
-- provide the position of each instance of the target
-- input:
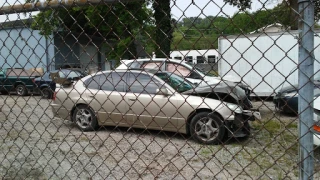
(21, 90)
(46, 93)
(207, 128)
(85, 118)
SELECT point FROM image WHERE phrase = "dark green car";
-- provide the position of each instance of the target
(20, 81)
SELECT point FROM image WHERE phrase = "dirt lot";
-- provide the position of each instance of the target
(35, 145)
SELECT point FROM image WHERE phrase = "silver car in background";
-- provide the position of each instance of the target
(140, 99)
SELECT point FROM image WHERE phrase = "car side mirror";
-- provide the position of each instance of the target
(162, 91)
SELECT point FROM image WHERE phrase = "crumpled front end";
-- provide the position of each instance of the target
(239, 126)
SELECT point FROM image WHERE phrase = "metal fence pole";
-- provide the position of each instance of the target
(306, 86)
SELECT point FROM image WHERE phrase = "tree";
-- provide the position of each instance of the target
(292, 6)
(119, 24)
(163, 36)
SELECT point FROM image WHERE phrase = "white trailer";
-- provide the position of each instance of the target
(265, 61)
(196, 56)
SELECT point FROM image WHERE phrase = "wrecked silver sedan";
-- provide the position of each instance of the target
(228, 92)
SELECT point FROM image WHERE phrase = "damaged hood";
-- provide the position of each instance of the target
(222, 87)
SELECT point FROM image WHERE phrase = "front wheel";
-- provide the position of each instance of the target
(85, 118)
(207, 128)
(21, 90)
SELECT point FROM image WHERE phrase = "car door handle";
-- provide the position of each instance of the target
(132, 99)
(92, 96)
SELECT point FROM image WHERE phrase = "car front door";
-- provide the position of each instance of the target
(146, 108)
(106, 94)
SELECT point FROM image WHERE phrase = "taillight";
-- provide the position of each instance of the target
(54, 96)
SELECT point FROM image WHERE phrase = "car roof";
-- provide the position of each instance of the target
(146, 71)
(63, 70)
(127, 61)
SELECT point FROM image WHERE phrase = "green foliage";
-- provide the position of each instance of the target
(292, 8)
(203, 33)
(116, 24)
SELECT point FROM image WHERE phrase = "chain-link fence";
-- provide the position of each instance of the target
(159, 89)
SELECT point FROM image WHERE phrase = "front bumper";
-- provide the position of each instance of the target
(286, 104)
(239, 126)
(60, 112)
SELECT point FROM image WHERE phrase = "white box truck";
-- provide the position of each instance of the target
(265, 61)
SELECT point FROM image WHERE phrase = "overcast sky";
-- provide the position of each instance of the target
(180, 8)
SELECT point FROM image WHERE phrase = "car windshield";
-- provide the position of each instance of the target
(176, 82)
(200, 71)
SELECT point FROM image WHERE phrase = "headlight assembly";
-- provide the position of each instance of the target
(234, 108)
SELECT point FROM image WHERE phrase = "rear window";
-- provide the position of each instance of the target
(92, 83)
(107, 82)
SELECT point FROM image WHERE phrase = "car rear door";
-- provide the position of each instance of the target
(106, 95)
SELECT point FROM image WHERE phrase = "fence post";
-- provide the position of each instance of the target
(306, 88)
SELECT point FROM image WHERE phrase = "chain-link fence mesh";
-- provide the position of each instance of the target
(159, 89)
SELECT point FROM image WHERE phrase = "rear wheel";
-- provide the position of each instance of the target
(21, 90)
(85, 118)
(46, 93)
(207, 128)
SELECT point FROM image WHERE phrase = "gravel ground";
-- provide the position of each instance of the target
(35, 145)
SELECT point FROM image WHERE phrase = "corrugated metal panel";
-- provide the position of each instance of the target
(23, 48)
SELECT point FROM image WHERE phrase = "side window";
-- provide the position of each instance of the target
(73, 74)
(62, 75)
(200, 59)
(212, 59)
(143, 83)
(112, 81)
(92, 83)
(134, 64)
(178, 69)
(151, 65)
(189, 59)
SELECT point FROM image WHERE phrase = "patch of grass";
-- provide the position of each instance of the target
(83, 138)
(13, 134)
(272, 126)
(213, 73)
(292, 125)
(205, 152)
(208, 151)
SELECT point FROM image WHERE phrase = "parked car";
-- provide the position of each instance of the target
(316, 118)
(46, 84)
(286, 100)
(140, 99)
(183, 69)
(18, 80)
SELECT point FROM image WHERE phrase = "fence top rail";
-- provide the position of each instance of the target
(54, 4)
(259, 34)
